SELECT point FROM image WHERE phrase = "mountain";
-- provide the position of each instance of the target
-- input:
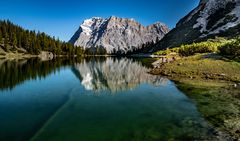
(209, 19)
(116, 35)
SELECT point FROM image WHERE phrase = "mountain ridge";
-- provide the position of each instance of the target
(116, 34)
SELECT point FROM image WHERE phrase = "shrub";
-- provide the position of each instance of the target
(203, 47)
(209, 46)
(163, 52)
(232, 48)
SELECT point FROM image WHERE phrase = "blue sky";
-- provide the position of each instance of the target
(62, 18)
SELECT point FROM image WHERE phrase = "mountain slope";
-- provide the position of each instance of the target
(116, 35)
(209, 19)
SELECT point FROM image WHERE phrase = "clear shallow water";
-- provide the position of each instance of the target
(105, 99)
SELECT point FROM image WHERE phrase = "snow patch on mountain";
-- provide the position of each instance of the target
(87, 26)
(209, 8)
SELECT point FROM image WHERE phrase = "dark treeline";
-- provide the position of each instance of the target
(14, 38)
(94, 51)
(144, 48)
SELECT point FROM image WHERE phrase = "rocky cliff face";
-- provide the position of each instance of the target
(116, 34)
(209, 19)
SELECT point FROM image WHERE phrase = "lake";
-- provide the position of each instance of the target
(94, 99)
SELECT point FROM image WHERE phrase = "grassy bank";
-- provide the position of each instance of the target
(202, 66)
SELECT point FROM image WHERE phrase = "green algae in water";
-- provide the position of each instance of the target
(100, 100)
(219, 103)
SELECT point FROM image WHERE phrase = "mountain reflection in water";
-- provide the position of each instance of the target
(114, 75)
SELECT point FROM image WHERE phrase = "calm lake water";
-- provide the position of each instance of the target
(93, 99)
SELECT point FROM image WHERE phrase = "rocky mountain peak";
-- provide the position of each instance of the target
(116, 34)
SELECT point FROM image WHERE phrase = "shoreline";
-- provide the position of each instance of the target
(49, 56)
(17, 56)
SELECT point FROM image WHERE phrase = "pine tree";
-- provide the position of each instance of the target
(1, 36)
(5, 43)
(14, 40)
(4, 30)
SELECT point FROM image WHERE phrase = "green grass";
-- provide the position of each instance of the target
(204, 66)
